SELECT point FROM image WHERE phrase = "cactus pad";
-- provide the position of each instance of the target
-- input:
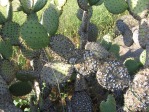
(55, 73)
(7, 71)
(81, 102)
(27, 5)
(113, 75)
(93, 2)
(34, 35)
(62, 46)
(97, 50)
(11, 30)
(83, 4)
(20, 88)
(143, 57)
(50, 19)
(137, 96)
(39, 4)
(116, 6)
(2, 15)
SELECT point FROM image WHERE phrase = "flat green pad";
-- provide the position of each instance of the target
(20, 88)
(2, 14)
(34, 35)
(26, 5)
(83, 4)
(39, 4)
(116, 6)
(11, 30)
(93, 2)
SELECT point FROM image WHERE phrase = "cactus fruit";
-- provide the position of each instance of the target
(93, 2)
(4, 92)
(116, 6)
(50, 19)
(79, 13)
(10, 30)
(39, 4)
(55, 73)
(62, 46)
(113, 75)
(20, 88)
(97, 50)
(6, 49)
(92, 32)
(126, 32)
(80, 83)
(81, 102)
(26, 75)
(138, 7)
(34, 35)
(83, 4)
(109, 105)
(132, 65)
(143, 32)
(143, 57)
(136, 97)
(87, 65)
(8, 71)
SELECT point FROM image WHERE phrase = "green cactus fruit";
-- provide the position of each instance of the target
(20, 88)
(79, 13)
(80, 83)
(26, 6)
(9, 107)
(93, 2)
(143, 57)
(50, 19)
(34, 35)
(106, 41)
(99, 2)
(83, 4)
(92, 32)
(138, 7)
(39, 4)
(116, 6)
(8, 70)
(132, 65)
(11, 30)
(60, 3)
(109, 105)
(2, 15)
(62, 45)
(97, 50)
(114, 49)
(4, 92)
(81, 102)
(136, 98)
(6, 49)
(143, 32)
(55, 73)
(29, 53)
(26, 75)
(113, 75)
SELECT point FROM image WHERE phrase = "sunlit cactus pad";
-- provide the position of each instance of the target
(8, 70)
(81, 102)
(116, 6)
(20, 88)
(113, 75)
(137, 96)
(11, 31)
(56, 73)
(34, 35)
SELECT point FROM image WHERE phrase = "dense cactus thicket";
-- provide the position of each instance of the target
(89, 73)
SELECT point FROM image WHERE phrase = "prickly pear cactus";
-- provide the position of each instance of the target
(8, 70)
(83, 4)
(39, 4)
(136, 97)
(143, 57)
(138, 7)
(50, 19)
(113, 75)
(93, 2)
(56, 73)
(116, 6)
(2, 15)
(34, 35)
(11, 30)
(81, 102)
(109, 105)
(20, 88)
(26, 5)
